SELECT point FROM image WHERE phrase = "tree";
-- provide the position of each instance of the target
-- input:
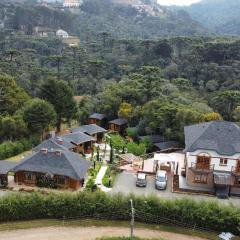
(118, 142)
(56, 60)
(12, 97)
(136, 149)
(39, 115)
(236, 114)
(125, 110)
(225, 102)
(212, 116)
(8, 128)
(60, 95)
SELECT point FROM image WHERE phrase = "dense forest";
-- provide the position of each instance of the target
(221, 16)
(159, 85)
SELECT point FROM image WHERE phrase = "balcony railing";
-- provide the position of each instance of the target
(236, 170)
(202, 168)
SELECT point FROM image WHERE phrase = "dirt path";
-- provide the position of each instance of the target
(87, 233)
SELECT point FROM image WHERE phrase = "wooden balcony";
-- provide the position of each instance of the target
(236, 171)
(202, 168)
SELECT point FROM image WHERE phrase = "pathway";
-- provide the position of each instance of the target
(88, 233)
(99, 178)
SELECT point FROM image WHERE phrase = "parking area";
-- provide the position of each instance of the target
(126, 184)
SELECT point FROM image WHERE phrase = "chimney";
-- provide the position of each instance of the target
(59, 140)
(58, 152)
(44, 151)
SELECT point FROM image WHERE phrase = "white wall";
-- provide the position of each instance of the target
(215, 159)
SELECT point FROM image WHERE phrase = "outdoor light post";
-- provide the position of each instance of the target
(132, 218)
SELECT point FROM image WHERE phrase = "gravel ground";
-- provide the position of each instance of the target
(125, 184)
(87, 233)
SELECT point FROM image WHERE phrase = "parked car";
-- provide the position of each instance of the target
(161, 180)
(141, 180)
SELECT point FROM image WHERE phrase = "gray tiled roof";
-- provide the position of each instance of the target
(98, 116)
(119, 121)
(167, 145)
(65, 164)
(89, 129)
(220, 136)
(6, 166)
(77, 138)
(52, 144)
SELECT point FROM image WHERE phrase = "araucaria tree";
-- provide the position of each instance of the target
(60, 95)
(39, 115)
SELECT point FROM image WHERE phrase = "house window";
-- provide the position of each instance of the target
(60, 180)
(29, 176)
(200, 178)
(223, 161)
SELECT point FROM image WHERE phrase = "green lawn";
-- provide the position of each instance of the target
(92, 222)
(20, 156)
(111, 171)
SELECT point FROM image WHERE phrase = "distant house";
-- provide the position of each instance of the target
(5, 168)
(166, 146)
(213, 156)
(43, 32)
(55, 143)
(118, 126)
(78, 142)
(72, 3)
(62, 34)
(93, 130)
(127, 158)
(63, 169)
(83, 143)
(98, 119)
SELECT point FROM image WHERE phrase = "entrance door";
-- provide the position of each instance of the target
(238, 166)
(203, 162)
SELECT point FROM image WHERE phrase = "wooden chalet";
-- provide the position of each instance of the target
(92, 130)
(118, 126)
(98, 119)
(76, 142)
(58, 168)
(82, 142)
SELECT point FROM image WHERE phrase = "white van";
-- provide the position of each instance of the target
(161, 180)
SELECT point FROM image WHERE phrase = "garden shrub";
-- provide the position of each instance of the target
(9, 148)
(208, 215)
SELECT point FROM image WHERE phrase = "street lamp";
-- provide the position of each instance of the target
(132, 218)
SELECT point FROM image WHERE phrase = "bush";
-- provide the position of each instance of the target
(9, 148)
(209, 215)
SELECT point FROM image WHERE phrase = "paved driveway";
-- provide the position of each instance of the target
(126, 184)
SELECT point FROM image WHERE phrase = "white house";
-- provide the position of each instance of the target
(71, 3)
(62, 34)
(212, 155)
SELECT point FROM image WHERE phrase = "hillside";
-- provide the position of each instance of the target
(130, 19)
(221, 16)
(135, 20)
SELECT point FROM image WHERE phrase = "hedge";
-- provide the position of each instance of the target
(9, 148)
(207, 215)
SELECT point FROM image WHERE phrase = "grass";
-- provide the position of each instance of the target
(92, 174)
(110, 172)
(20, 156)
(91, 222)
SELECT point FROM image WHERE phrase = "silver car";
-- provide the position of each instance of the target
(161, 180)
(141, 180)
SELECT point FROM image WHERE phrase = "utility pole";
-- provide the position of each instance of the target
(132, 218)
